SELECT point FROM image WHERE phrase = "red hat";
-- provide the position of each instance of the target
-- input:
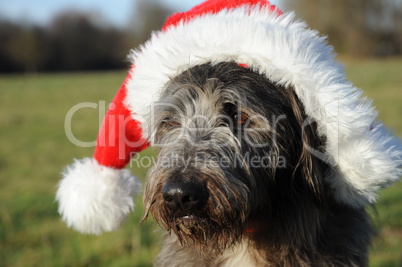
(96, 194)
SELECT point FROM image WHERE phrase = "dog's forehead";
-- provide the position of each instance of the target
(207, 98)
(191, 99)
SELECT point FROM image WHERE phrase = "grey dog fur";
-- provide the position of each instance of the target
(284, 197)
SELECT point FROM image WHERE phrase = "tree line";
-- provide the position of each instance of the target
(73, 41)
(76, 41)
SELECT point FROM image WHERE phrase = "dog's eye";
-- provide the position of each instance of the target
(240, 119)
(171, 122)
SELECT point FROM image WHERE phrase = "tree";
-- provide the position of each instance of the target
(148, 16)
(358, 27)
(79, 43)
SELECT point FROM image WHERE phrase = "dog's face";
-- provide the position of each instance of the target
(233, 153)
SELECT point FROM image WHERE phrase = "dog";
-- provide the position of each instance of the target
(268, 156)
(250, 193)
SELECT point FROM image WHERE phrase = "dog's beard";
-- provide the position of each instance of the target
(206, 234)
(211, 230)
(208, 237)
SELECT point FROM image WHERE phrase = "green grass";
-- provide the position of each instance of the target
(34, 150)
(382, 81)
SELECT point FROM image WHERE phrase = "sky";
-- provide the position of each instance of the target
(117, 12)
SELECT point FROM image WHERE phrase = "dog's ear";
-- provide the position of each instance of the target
(310, 167)
(310, 170)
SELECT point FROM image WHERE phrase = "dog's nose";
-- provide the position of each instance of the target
(184, 196)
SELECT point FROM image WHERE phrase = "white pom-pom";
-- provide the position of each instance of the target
(94, 198)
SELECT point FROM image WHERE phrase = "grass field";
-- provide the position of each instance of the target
(34, 149)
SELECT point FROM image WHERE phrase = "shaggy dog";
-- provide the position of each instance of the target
(268, 156)
(235, 183)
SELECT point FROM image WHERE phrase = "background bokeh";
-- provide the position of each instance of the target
(56, 54)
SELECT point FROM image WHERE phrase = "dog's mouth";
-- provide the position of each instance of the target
(190, 220)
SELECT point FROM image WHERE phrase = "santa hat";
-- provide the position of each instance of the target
(96, 194)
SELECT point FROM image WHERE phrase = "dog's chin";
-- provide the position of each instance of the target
(191, 225)
(204, 234)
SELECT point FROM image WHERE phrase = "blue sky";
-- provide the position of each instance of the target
(117, 12)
